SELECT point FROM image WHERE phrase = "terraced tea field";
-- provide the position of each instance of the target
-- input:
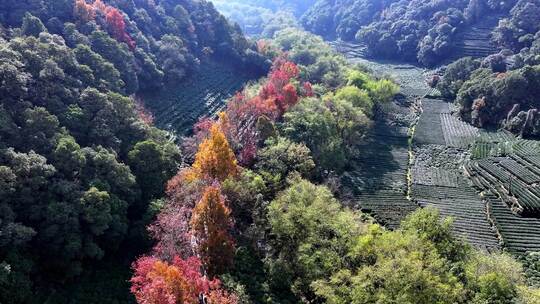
(507, 171)
(378, 178)
(440, 146)
(396, 173)
(348, 49)
(518, 234)
(177, 109)
(417, 154)
(488, 182)
(475, 40)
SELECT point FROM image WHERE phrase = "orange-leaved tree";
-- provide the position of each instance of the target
(100, 6)
(159, 282)
(84, 11)
(210, 223)
(215, 160)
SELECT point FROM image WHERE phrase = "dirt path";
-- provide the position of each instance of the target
(440, 149)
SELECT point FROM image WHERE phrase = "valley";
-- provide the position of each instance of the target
(485, 180)
(269, 152)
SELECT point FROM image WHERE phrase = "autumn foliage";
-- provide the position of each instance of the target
(210, 223)
(196, 220)
(277, 94)
(307, 89)
(215, 160)
(180, 282)
(278, 90)
(171, 229)
(117, 26)
(114, 19)
(145, 115)
(84, 11)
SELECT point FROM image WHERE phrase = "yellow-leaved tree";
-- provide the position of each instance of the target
(215, 160)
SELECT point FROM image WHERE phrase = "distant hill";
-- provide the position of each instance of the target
(427, 31)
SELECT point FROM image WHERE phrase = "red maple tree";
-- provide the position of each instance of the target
(180, 282)
(117, 26)
(307, 89)
(114, 19)
(172, 229)
(195, 217)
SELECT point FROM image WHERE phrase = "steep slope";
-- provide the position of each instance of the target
(80, 161)
(204, 94)
(474, 40)
(396, 174)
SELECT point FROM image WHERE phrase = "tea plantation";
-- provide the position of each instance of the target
(420, 154)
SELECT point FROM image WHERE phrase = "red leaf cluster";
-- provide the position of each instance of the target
(117, 26)
(194, 205)
(195, 219)
(144, 115)
(278, 93)
(307, 89)
(262, 46)
(100, 6)
(274, 98)
(113, 17)
(158, 282)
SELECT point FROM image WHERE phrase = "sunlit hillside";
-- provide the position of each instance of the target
(270, 152)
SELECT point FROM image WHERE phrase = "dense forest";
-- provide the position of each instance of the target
(252, 205)
(81, 162)
(429, 32)
(502, 89)
(489, 95)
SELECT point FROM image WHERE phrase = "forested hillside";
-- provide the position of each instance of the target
(152, 153)
(257, 211)
(429, 32)
(413, 30)
(501, 90)
(80, 161)
(489, 95)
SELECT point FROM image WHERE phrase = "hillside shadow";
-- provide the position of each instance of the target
(382, 160)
